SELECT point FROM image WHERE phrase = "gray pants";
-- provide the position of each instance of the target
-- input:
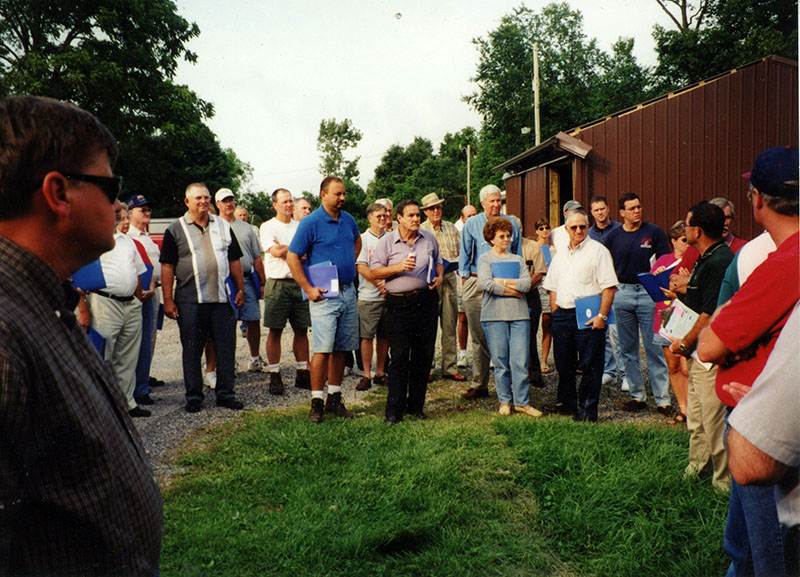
(472, 296)
(448, 318)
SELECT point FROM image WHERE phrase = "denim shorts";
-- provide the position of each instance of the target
(249, 311)
(334, 322)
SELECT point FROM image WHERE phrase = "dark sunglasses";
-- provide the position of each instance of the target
(578, 227)
(110, 185)
(544, 228)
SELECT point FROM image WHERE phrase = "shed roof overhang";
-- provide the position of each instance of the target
(550, 150)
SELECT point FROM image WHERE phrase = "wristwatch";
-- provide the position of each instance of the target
(684, 349)
(604, 317)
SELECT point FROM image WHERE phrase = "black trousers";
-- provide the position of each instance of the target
(534, 366)
(411, 330)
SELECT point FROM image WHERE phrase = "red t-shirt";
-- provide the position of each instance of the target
(762, 305)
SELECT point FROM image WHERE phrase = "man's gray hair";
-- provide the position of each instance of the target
(374, 207)
(386, 203)
(722, 203)
(489, 189)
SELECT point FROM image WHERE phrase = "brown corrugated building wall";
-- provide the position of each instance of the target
(673, 151)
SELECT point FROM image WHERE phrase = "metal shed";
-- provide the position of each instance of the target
(673, 151)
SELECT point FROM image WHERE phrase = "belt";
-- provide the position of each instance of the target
(408, 293)
(114, 297)
(473, 274)
(282, 279)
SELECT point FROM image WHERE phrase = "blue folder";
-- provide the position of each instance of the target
(546, 254)
(89, 277)
(505, 269)
(98, 340)
(256, 282)
(587, 308)
(653, 283)
(325, 276)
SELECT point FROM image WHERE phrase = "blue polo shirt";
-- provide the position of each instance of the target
(473, 245)
(599, 234)
(322, 238)
(635, 251)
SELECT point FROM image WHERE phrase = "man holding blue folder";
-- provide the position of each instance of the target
(584, 269)
(328, 234)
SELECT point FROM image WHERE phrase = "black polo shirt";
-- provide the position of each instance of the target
(706, 280)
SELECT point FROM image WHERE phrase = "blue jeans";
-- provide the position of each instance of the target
(145, 351)
(570, 347)
(508, 344)
(634, 310)
(753, 535)
(611, 366)
(196, 322)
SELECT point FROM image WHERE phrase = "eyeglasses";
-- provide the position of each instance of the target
(381, 216)
(578, 227)
(110, 185)
(144, 209)
(543, 228)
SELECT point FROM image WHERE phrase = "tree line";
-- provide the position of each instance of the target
(117, 58)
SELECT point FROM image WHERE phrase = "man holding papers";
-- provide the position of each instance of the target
(705, 415)
(406, 258)
(584, 269)
(328, 235)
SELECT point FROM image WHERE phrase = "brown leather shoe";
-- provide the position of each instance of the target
(364, 384)
(275, 384)
(476, 393)
(334, 405)
(456, 377)
(317, 410)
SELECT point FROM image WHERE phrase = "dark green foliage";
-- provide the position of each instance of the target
(117, 59)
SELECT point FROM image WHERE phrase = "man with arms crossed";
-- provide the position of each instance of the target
(283, 299)
(329, 234)
(472, 247)
(371, 302)
(77, 494)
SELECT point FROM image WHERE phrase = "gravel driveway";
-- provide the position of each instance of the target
(170, 425)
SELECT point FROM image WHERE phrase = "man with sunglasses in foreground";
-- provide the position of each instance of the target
(77, 494)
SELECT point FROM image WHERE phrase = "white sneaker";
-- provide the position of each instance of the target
(608, 378)
(210, 380)
(462, 359)
(347, 371)
(625, 387)
(255, 365)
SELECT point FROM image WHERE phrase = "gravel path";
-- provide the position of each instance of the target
(170, 426)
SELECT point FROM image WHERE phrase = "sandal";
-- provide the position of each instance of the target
(545, 369)
(678, 419)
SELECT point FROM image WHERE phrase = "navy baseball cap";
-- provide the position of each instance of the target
(137, 200)
(775, 172)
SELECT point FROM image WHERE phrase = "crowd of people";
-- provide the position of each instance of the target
(720, 328)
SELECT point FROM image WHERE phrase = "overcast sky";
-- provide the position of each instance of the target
(396, 68)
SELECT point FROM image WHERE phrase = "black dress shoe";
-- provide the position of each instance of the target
(144, 399)
(154, 382)
(558, 409)
(194, 406)
(392, 421)
(139, 412)
(421, 416)
(230, 403)
(538, 383)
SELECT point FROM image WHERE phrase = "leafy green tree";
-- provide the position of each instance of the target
(731, 33)
(117, 58)
(572, 69)
(333, 140)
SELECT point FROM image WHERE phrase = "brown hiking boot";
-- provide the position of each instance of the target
(317, 409)
(275, 384)
(303, 379)
(476, 393)
(335, 405)
(364, 384)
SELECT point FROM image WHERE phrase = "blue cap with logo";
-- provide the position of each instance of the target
(775, 172)
(137, 200)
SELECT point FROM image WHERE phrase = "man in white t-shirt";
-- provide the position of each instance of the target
(283, 299)
(371, 303)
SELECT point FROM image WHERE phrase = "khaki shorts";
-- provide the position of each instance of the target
(371, 319)
(283, 300)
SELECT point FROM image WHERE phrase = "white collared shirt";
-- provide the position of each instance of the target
(579, 272)
(150, 247)
(122, 266)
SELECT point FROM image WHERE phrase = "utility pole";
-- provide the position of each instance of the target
(536, 94)
(469, 175)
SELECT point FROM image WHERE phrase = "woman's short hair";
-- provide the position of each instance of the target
(493, 225)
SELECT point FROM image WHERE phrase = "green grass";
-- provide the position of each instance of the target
(466, 493)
